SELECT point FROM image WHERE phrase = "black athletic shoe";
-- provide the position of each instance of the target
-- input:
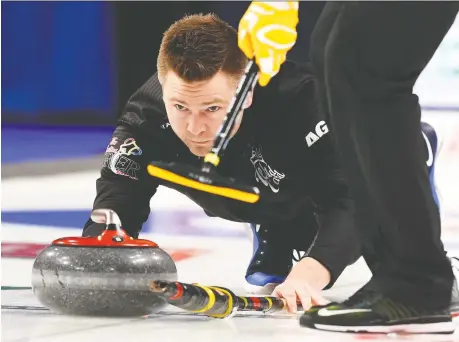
(372, 312)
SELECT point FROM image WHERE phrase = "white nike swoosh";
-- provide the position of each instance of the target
(429, 161)
(325, 312)
(297, 255)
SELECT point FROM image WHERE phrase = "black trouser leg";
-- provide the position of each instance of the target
(368, 56)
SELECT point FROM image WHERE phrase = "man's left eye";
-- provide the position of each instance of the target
(213, 108)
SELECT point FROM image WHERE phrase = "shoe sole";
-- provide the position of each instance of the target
(431, 328)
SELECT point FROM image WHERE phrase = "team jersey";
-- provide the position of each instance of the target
(284, 147)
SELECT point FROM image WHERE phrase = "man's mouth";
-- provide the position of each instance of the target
(201, 142)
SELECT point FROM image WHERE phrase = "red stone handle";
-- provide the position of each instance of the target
(113, 236)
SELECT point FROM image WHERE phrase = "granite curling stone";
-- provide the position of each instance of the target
(106, 275)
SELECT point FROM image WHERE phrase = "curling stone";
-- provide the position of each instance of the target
(106, 275)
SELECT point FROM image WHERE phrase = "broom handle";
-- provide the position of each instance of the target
(246, 84)
(213, 301)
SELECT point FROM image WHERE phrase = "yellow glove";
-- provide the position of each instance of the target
(267, 31)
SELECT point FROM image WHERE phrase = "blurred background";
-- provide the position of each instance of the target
(68, 68)
(71, 66)
(76, 63)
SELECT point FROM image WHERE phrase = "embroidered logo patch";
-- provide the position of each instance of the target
(118, 159)
(264, 173)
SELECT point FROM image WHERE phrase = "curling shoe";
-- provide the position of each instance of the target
(274, 255)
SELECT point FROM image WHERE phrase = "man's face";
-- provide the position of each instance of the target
(196, 110)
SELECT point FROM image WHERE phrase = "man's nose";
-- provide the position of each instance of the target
(196, 124)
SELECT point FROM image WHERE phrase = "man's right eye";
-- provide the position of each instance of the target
(179, 107)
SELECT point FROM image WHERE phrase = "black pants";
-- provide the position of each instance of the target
(368, 56)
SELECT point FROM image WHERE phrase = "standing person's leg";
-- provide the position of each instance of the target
(372, 62)
(365, 216)
(309, 13)
(373, 56)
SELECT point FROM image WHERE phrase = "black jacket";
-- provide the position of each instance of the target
(283, 146)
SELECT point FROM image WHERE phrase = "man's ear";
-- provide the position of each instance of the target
(248, 100)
